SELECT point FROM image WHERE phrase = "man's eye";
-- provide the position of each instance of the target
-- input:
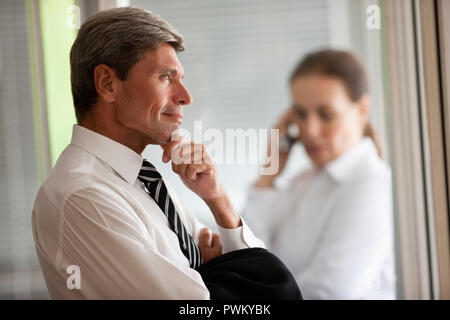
(165, 77)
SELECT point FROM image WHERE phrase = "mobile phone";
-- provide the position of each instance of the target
(289, 139)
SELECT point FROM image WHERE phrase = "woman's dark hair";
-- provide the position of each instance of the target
(344, 66)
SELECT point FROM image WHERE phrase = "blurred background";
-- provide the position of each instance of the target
(238, 58)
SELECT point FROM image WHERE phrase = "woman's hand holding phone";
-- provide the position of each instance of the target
(288, 136)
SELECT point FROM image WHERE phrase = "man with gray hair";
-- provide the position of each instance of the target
(105, 224)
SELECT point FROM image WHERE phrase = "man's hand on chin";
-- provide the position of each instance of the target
(194, 166)
(197, 171)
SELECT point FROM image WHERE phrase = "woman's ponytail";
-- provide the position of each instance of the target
(369, 131)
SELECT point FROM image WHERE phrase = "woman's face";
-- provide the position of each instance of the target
(329, 122)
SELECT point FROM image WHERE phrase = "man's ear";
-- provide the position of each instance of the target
(105, 83)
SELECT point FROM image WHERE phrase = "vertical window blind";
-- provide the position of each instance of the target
(19, 178)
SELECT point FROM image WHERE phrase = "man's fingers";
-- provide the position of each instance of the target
(182, 168)
(216, 242)
(184, 151)
(204, 238)
(198, 155)
(191, 172)
(194, 169)
(168, 150)
(175, 167)
(188, 153)
(175, 142)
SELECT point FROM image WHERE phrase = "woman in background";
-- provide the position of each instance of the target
(333, 224)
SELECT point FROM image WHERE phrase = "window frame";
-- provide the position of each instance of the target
(418, 146)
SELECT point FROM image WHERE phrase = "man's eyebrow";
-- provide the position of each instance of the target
(172, 71)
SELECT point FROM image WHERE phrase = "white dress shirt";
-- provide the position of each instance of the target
(333, 228)
(92, 212)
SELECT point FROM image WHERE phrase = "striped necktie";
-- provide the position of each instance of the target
(157, 189)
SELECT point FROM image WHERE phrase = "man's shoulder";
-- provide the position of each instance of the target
(75, 171)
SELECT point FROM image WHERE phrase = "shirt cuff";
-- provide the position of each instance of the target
(238, 238)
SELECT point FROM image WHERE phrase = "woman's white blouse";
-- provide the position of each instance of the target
(332, 228)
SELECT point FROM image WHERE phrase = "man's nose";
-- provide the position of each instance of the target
(183, 97)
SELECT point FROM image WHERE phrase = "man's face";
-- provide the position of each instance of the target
(149, 102)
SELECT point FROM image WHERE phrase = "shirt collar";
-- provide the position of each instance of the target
(122, 159)
(343, 167)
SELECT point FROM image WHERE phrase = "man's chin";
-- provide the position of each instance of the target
(151, 139)
(166, 138)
